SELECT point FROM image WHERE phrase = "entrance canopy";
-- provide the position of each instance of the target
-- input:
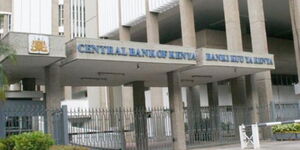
(97, 62)
(33, 52)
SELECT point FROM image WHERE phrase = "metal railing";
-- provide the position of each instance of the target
(117, 128)
(142, 129)
(220, 125)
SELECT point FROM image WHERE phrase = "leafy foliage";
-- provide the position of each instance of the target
(287, 128)
(28, 141)
(5, 52)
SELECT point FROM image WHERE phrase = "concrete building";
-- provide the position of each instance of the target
(149, 53)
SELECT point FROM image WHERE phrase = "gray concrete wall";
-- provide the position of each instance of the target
(282, 49)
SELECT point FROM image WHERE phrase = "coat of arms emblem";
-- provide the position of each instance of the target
(38, 44)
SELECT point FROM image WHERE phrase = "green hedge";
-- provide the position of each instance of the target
(27, 141)
(287, 128)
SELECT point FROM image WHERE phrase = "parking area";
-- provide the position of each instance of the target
(285, 145)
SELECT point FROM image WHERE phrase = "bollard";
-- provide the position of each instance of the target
(255, 136)
(243, 137)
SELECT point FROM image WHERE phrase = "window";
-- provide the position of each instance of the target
(60, 15)
(78, 18)
(283, 79)
(1, 22)
(9, 23)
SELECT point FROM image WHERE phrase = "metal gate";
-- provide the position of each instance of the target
(18, 116)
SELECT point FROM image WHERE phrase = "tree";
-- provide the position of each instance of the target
(5, 52)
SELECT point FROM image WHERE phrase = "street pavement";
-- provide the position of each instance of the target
(285, 145)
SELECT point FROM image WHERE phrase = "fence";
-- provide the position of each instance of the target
(138, 129)
(117, 128)
(220, 125)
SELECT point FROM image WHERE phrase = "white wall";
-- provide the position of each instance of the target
(225, 96)
(133, 11)
(203, 95)
(160, 6)
(75, 104)
(91, 10)
(148, 99)
(285, 95)
(32, 16)
(108, 16)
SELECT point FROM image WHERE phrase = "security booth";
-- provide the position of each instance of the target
(98, 62)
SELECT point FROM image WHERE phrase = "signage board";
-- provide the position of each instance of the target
(214, 57)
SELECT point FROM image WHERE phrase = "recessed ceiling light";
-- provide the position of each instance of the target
(187, 80)
(111, 73)
(201, 76)
(93, 78)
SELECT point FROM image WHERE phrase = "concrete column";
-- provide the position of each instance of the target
(152, 25)
(54, 92)
(140, 119)
(54, 17)
(176, 106)
(5, 27)
(252, 99)
(54, 89)
(233, 25)
(213, 102)
(239, 97)
(189, 39)
(187, 23)
(194, 113)
(67, 34)
(263, 80)
(153, 37)
(295, 17)
(124, 31)
(234, 43)
(91, 15)
(67, 19)
(121, 96)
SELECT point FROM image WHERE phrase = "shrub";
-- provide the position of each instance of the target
(28, 141)
(287, 128)
(67, 148)
(2, 146)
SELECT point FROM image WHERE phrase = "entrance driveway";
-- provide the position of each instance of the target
(287, 145)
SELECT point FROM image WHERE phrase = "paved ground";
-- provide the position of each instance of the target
(290, 145)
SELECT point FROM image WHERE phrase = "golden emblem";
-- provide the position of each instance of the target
(39, 46)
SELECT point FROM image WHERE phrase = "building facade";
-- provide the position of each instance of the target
(246, 28)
